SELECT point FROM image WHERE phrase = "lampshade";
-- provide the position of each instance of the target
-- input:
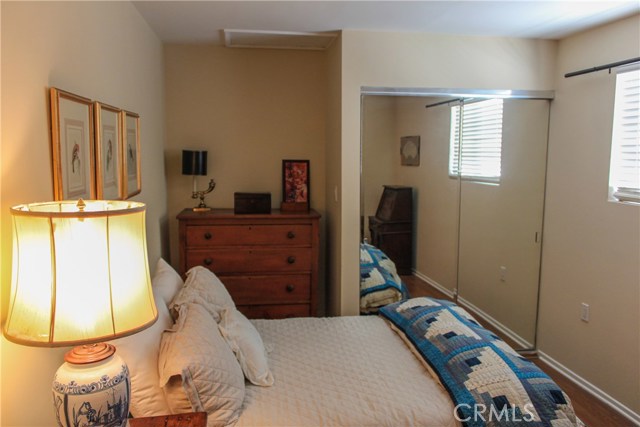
(194, 162)
(80, 273)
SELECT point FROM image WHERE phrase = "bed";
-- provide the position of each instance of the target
(343, 371)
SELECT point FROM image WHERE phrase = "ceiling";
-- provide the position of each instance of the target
(203, 21)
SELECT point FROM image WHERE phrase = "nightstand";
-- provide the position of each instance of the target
(191, 419)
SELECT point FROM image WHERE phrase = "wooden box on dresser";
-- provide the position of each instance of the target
(268, 262)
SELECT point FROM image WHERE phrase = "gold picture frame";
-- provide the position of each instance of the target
(72, 139)
(131, 170)
(108, 148)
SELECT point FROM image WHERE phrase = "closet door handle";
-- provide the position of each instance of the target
(291, 260)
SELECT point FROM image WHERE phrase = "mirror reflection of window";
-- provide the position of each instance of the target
(480, 124)
(624, 174)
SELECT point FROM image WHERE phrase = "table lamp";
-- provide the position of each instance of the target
(80, 276)
(195, 163)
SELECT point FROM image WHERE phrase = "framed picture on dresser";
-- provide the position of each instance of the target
(295, 185)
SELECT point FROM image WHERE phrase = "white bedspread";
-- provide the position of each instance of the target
(343, 371)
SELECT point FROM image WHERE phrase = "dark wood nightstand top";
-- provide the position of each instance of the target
(191, 419)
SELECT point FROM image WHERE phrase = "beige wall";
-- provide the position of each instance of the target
(436, 196)
(591, 246)
(379, 152)
(104, 51)
(333, 176)
(387, 59)
(250, 109)
(498, 225)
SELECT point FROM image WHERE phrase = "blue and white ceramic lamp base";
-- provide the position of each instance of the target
(94, 394)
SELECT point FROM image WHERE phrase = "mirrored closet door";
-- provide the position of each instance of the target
(478, 195)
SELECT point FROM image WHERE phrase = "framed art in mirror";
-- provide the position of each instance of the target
(410, 150)
(109, 176)
(72, 137)
(131, 138)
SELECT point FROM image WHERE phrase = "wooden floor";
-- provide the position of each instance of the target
(590, 410)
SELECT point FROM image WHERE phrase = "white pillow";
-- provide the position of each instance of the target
(167, 281)
(246, 343)
(211, 377)
(203, 287)
(140, 351)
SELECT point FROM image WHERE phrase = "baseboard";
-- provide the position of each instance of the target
(596, 392)
(493, 322)
(434, 284)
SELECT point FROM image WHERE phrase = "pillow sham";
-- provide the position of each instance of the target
(204, 287)
(196, 362)
(140, 351)
(245, 342)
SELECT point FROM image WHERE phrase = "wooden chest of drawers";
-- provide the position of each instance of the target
(268, 262)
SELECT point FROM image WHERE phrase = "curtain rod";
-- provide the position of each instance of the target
(603, 67)
(443, 102)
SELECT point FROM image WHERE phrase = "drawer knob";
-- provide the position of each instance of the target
(291, 235)
(290, 288)
(208, 235)
(291, 259)
(208, 261)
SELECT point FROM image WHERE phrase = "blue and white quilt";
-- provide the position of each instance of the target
(489, 382)
(379, 281)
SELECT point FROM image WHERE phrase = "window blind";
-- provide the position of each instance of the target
(480, 126)
(624, 173)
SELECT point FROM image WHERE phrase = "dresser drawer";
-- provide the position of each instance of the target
(275, 311)
(285, 289)
(248, 235)
(286, 260)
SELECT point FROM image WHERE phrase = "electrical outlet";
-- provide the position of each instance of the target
(584, 312)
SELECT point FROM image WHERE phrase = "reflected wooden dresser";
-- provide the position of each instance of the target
(392, 227)
(268, 262)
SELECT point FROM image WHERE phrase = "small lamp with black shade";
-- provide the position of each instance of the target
(195, 163)
(80, 276)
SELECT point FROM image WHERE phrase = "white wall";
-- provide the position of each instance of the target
(591, 246)
(101, 50)
(389, 59)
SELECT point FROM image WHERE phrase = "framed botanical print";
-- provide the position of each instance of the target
(131, 154)
(109, 176)
(72, 146)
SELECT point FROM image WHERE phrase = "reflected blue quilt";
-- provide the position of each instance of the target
(379, 280)
(489, 382)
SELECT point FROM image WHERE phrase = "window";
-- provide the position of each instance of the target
(480, 124)
(624, 172)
